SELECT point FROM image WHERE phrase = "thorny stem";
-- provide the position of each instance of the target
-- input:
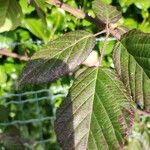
(143, 113)
(76, 12)
(13, 55)
(81, 15)
(115, 33)
(99, 33)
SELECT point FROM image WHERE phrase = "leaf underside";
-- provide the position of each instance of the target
(10, 15)
(97, 113)
(131, 73)
(105, 12)
(58, 57)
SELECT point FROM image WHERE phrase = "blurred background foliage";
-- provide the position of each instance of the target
(42, 22)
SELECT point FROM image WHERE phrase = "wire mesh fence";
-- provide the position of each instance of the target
(33, 113)
(7, 44)
(27, 119)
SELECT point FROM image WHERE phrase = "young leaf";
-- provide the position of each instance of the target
(41, 4)
(97, 113)
(138, 45)
(105, 12)
(10, 15)
(134, 78)
(37, 27)
(40, 7)
(58, 57)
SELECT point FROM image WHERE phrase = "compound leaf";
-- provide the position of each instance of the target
(58, 57)
(106, 13)
(97, 113)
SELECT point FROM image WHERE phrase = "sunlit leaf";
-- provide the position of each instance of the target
(10, 15)
(3, 75)
(26, 8)
(36, 27)
(97, 113)
(41, 4)
(40, 7)
(139, 140)
(58, 57)
(134, 144)
(105, 12)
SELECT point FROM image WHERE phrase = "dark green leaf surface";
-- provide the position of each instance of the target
(105, 12)
(58, 57)
(135, 79)
(4, 113)
(10, 15)
(97, 113)
(138, 45)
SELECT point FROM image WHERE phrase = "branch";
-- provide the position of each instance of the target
(76, 12)
(143, 113)
(13, 55)
(115, 34)
(118, 32)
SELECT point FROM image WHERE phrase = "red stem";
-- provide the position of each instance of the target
(13, 55)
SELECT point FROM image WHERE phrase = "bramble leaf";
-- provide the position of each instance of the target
(97, 113)
(58, 57)
(138, 45)
(10, 15)
(134, 78)
(106, 13)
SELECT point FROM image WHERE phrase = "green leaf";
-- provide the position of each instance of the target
(138, 45)
(3, 75)
(4, 113)
(40, 7)
(7, 39)
(97, 113)
(144, 4)
(134, 144)
(41, 4)
(26, 8)
(140, 140)
(107, 1)
(134, 78)
(105, 12)
(58, 57)
(37, 27)
(10, 15)
(12, 139)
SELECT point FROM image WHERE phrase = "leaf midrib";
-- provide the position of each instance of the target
(92, 106)
(69, 45)
(95, 95)
(46, 60)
